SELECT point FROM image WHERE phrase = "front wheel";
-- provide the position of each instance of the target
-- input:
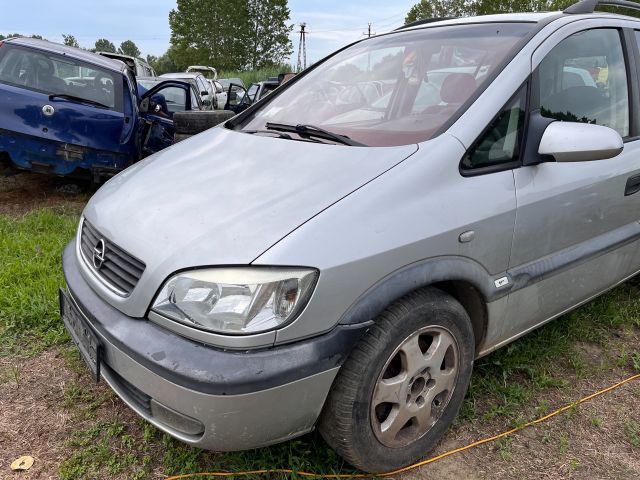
(403, 384)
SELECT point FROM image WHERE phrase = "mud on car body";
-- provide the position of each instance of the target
(340, 253)
(68, 111)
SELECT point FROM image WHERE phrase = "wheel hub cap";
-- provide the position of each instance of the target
(414, 386)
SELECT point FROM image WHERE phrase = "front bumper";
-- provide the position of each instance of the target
(206, 397)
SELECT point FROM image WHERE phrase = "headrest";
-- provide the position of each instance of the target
(457, 88)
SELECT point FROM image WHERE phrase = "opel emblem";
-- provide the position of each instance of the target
(48, 110)
(98, 254)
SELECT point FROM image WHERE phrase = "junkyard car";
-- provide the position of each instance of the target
(64, 110)
(333, 257)
(221, 94)
(172, 99)
(207, 93)
(239, 98)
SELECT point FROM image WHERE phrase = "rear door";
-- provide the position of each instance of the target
(577, 227)
(51, 97)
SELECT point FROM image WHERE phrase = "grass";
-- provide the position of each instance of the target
(507, 380)
(105, 449)
(504, 385)
(30, 275)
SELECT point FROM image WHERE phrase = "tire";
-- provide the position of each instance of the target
(178, 137)
(379, 436)
(198, 121)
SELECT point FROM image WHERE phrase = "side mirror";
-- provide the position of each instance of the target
(577, 142)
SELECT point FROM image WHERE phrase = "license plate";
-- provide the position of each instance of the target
(81, 334)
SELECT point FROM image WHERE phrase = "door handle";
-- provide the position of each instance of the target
(633, 185)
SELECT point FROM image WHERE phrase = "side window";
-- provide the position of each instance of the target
(201, 85)
(168, 101)
(195, 103)
(584, 79)
(500, 143)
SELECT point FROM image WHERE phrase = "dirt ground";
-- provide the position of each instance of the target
(599, 439)
(23, 192)
(588, 442)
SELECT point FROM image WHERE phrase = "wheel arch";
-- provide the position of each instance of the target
(462, 278)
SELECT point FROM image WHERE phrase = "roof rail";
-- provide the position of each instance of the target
(588, 6)
(423, 22)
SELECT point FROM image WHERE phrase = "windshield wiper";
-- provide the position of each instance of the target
(77, 99)
(270, 132)
(313, 131)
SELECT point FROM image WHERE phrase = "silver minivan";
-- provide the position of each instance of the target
(339, 254)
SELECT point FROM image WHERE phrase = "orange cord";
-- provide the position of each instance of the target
(419, 464)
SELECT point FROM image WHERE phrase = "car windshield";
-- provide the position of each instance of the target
(56, 75)
(395, 89)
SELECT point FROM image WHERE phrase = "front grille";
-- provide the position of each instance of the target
(119, 270)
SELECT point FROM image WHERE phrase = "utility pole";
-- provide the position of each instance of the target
(302, 48)
(368, 33)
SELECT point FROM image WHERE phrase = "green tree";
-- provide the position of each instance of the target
(269, 42)
(129, 48)
(104, 45)
(209, 32)
(441, 8)
(70, 41)
(230, 35)
(462, 8)
(163, 63)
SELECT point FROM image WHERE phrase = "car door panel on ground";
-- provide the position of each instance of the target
(576, 232)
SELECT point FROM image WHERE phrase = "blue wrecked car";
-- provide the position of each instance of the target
(68, 111)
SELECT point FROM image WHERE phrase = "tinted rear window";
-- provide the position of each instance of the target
(55, 74)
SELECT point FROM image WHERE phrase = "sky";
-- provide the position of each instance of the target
(331, 24)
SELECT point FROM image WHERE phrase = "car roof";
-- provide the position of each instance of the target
(534, 17)
(182, 75)
(157, 80)
(496, 18)
(149, 79)
(71, 52)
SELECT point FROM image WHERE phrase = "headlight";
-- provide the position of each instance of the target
(236, 300)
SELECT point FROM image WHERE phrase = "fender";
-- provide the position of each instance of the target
(422, 274)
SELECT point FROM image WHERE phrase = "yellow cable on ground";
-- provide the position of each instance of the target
(419, 464)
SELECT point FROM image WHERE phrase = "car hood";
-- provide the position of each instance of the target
(224, 197)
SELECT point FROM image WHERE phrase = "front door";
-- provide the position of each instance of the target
(158, 106)
(576, 231)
